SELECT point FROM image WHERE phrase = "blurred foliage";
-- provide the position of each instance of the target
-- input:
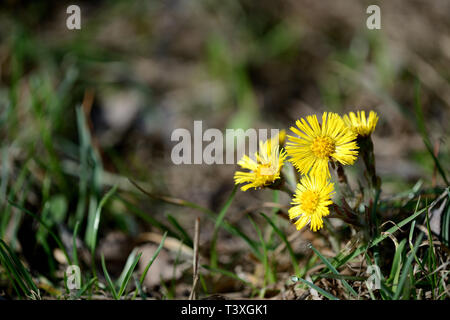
(83, 111)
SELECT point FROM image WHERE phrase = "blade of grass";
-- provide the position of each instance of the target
(268, 272)
(420, 120)
(218, 223)
(91, 167)
(431, 257)
(286, 242)
(227, 273)
(138, 289)
(333, 269)
(411, 245)
(318, 289)
(108, 279)
(12, 274)
(74, 243)
(195, 259)
(396, 265)
(234, 230)
(21, 275)
(141, 280)
(147, 217)
(406, 268)
(128, 275)
(239, 233)
(149, 264)
(86, 287)
(50, 232)
(93, 223)
(171, 200)
(128, 264)
(186, 238)
(340, 277)
(378, 239)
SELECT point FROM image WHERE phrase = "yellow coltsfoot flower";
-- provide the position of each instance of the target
(311, 201)
(361, 125)
(319, 143)
(282, 137)
(265, 170)
(277, 139)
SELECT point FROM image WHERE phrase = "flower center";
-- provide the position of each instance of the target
(309, 200)
(323, 147)
(265, 170)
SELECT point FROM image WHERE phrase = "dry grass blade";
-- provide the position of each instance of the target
(171, 244)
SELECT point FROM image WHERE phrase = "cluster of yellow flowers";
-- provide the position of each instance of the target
(310, 151)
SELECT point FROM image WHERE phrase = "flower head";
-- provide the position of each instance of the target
(265, 170)
(361, 125)
(311, 201)
(318, 143)
(282, 137)
(278, 139)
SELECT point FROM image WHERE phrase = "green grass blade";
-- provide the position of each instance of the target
(50, 232)
(268, 273)
(186, 238)
(128, 264)
(86, 287)
(224, 210)
(286, 242)
(239, 233)
(21, 275)
(128, 275)
(340, 277)
(108, 279)
(227, 273)
(431, 254)
(217, 225)
(378, 239)
(11, 272)
(318, 289)
(147, 217)
(144, 274)
(406, 268)
(147, 267)
(333, 269)
(396, 264)
(74, 243)
(423, 131)
(138, 289)
(93, 224)
(184, 203)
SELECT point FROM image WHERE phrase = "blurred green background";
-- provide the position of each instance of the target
(84, 110)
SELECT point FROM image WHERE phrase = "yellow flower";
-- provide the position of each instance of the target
(361, 125)
(278, 139)
(311, 200)
(265, 170)
(317, 144)
(282, 137)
